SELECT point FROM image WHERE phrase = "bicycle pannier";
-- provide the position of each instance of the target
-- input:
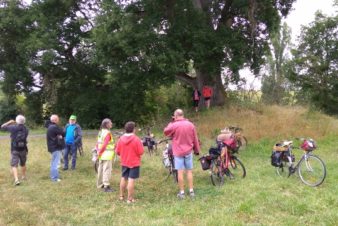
(215, 151)
(276, 158)
(165, 158)
(205, 162)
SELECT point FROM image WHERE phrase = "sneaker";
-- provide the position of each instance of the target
(17, 182)
(57, 180)
(180, 195)
(64, 169)
(192, 194)
(107, 189)
(23, 178)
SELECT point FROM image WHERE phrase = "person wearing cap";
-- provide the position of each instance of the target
(73, 139)
(18, 151)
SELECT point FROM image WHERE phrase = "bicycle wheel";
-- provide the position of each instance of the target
(217, 174)
(242, 142)
(237, 168)
(172, 169)
(312, 170)
(283, 170)
(80, 150)
(175, 176)
(96, 166)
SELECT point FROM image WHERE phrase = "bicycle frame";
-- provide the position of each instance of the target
(171, 167)
(293, 168)
(228, 159)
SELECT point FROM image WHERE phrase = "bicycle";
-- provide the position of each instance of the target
(242, 141)
(168, 159)
(310, 168)
(224, 162)
(149, 141)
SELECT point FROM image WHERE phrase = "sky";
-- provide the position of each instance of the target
(303, 13)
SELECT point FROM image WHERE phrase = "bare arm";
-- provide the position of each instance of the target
(8, 123)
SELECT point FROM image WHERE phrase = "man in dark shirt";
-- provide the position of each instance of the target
(19, 148)
(55, 144)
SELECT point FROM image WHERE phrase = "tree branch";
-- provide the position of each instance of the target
(186, 78)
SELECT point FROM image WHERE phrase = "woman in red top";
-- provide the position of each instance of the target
(129, 147)
(207, 94)
(196, 98)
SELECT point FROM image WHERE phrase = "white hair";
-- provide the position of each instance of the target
(20, 119)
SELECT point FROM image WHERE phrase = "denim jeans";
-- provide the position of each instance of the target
(54, 172)
(70, 148)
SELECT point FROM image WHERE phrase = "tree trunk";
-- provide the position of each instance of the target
(214, 81)
(205, 79)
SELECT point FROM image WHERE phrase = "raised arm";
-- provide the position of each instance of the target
(7, 123)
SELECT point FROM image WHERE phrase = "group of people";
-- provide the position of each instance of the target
(129, 147)
(207, 92)
(62, 141)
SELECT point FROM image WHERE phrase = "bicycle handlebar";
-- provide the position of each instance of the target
(235, 128)
(164, 140)
(117, 133)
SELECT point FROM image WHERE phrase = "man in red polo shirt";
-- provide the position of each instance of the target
(184, 143)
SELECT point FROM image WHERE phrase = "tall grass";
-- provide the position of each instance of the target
(262, 198)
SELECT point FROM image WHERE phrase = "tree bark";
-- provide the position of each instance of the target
(214, 81)
(205, 79)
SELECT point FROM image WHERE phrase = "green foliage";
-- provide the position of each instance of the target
(314, 67)
(107, 58)
(275, 86)
(8, 109)
(166, 99)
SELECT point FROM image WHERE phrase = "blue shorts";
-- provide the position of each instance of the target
(132, 173)
(184, 162)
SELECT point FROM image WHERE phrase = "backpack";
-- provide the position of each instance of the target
(20, 140)
(276, 158)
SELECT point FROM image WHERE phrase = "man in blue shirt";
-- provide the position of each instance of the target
(73, 140)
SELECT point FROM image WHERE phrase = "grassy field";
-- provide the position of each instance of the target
(262, 198)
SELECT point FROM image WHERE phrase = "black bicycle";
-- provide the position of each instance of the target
(168, 159)
(149, 141)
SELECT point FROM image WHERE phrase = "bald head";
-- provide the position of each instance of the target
(54, 119)
(178, 114)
